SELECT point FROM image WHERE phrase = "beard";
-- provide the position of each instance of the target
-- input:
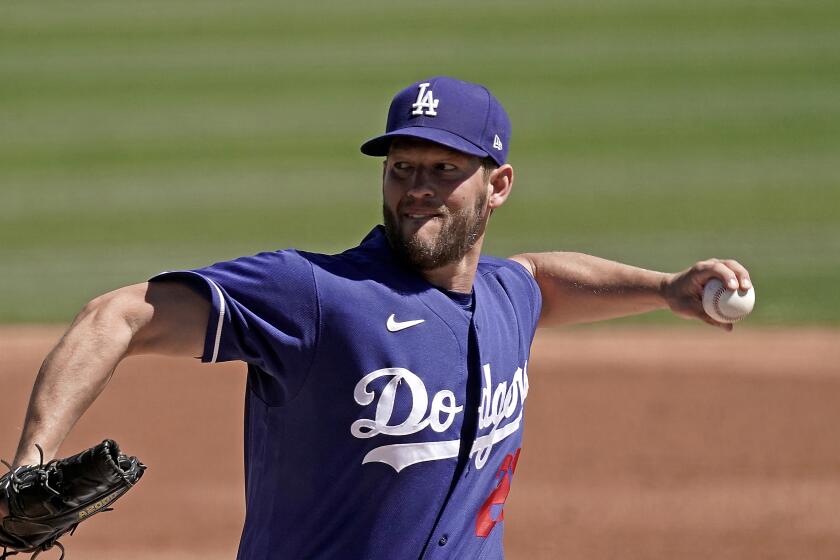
(458, 234)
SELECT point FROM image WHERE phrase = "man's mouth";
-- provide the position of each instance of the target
(415, 216)
(421, 212)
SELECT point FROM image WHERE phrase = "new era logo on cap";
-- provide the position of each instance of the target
(457, 114)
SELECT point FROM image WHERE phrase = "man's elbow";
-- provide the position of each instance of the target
(118, 315)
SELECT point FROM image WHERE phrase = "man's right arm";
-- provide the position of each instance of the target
(164, 318)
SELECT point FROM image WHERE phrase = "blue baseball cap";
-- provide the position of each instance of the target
(456, 114)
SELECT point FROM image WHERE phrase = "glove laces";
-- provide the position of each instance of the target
(15, 481)
(35, 553)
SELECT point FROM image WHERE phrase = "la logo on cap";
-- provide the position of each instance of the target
(426, 103)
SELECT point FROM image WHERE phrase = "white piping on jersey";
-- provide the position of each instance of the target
(218, 339)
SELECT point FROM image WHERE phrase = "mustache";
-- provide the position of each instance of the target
(406, 205)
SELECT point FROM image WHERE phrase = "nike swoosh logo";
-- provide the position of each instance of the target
(395, 326)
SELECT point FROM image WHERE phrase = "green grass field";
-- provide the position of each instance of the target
(140, 137)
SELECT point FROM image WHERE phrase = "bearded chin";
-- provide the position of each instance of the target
(459, 233)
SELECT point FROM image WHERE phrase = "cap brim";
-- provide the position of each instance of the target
(380, 145)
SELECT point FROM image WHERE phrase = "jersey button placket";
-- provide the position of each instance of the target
(443, 540)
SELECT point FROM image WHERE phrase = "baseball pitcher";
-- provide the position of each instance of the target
(386, 384)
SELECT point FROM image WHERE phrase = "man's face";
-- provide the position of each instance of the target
(434, 202)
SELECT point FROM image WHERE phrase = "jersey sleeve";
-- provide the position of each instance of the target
(264, 310)
(528, 288)
(521, 287)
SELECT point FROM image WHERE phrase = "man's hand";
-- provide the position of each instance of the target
(684, 290)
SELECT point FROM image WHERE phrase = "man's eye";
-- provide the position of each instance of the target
(446, 167)
(401, 166)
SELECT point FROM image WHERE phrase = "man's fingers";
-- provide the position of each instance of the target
(741, 273)
(732, 273)
(715, 268)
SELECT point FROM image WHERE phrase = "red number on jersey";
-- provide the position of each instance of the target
(484, 523)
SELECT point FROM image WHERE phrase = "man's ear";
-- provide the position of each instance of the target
(501, 182)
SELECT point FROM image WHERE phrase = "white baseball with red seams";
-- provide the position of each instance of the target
(724, 305)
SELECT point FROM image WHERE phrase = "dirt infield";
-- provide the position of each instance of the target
(640, 444)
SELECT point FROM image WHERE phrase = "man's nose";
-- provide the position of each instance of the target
(421, 184)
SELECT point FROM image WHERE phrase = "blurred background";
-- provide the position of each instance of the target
(137, 137)
(140, 137)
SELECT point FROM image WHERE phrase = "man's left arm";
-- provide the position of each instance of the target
(579, 288)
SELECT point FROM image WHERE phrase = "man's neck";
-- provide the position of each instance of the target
(457, 276)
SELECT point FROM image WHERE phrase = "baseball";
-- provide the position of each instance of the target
(724, 305)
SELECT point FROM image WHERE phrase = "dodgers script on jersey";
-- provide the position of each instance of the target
(383, 415)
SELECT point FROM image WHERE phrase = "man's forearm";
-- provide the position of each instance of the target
(74, 373)
(581, 288)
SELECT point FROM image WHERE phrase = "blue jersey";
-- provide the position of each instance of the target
(383, 415)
